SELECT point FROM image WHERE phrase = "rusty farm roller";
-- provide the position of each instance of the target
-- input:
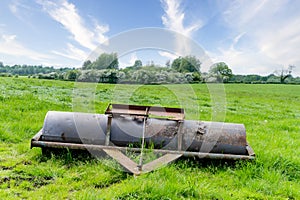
(124, 127)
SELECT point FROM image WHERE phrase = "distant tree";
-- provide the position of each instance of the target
(137, 64)
(25, 70)
(71, 75)
(284, 73)
(89, 76)
(197, 77)
(220, 71)
(143, 76)
(189, 77)
(86, 64)
(121, 76)
(105, 61)
(176, 64)
(251, 78)
(186, 64)
(162, 76)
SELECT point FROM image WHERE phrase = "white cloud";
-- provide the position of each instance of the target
(173, 19)
(272, 35)
(128, 60)
(13, 8)
(168, 55)
(15, 52)
(10, 46)
(67, 15)
(21, 11)
(73, 53)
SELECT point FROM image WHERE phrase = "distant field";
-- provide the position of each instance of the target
(271, 114)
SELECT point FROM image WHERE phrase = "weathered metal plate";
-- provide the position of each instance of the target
(147, 111)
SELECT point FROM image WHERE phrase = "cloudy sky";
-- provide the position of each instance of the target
(252, 37)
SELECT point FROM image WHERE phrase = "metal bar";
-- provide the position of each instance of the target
(45, 144)
(36, 137)
(179, 135)
(159, 162)
(123, 160)
(250, 150)
(107, 139)
(143, 141)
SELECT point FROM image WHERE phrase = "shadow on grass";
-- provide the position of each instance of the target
(68, 156)
(73, 157)
(253, 168)
(212, 165)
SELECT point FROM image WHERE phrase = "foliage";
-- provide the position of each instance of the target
(71, 75)
(182, 70)
(100, 76)
(270, 79)
(24, 70)
(137, 64)
(104, 61)
(52, 75)
(221, 72)
(158, 75)
(87, 64)
(186, 64)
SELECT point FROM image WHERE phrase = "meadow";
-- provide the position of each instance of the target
(271, 114)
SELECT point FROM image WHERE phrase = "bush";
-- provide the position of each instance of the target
(3, 75)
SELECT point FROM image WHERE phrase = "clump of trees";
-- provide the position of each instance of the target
(219, 72)
(278, 77)
(25, 70)
(101, 76)
(186, 64)
(186, 69)
(106, 69)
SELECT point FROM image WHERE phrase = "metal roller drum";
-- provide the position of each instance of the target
(118, 130)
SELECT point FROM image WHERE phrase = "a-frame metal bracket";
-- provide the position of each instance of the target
(116, 110)
(134, 168)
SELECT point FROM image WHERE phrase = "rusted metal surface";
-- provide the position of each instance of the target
(84, 128)
(152, 111)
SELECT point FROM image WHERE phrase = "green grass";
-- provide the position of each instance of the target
(271, 114)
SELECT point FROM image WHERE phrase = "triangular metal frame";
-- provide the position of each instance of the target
(116, 110)
(135, 168)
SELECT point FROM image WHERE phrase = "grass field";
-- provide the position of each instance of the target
(271, 114)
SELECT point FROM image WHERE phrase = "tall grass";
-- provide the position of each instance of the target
(271, 114)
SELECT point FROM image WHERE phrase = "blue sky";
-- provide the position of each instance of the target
(252, 37)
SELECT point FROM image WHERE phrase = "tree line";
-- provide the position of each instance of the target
(29, 70)
(186, 69)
